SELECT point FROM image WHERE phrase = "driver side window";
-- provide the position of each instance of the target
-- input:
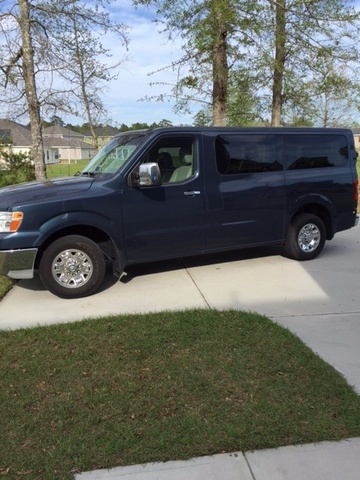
(176, 157)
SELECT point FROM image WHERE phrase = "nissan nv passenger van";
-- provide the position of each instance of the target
(172, 192)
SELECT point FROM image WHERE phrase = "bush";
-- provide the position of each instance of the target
(18, 169)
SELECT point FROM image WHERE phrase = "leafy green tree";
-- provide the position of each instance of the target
(17, 168)
(297, 38)
(163, 123)
(332, 94)
(56, 120)
(124, 128)
(203, 118)
(245, 106)
(211, 31)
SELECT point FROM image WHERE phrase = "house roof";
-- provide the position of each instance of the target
(55, 136)
(5, 135)
(107, 131)
(19, 135)
(61, 137)
(58, 142)
(58, 131)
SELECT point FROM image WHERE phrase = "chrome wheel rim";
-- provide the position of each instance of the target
(72, 268)
(309, 237)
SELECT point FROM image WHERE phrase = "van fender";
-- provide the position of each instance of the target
(317, 204)
(91, 224)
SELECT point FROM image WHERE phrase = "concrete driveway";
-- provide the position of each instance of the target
(318, 300)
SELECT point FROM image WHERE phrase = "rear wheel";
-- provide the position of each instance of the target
(306, 237)
(72, 267)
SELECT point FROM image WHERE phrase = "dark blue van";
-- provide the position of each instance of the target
(171, 192)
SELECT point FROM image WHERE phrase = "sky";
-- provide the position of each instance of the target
(148, 51)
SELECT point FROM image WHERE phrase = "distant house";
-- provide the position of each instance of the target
(60, 144)
(65, 145)
(104, 134)
(16, 137)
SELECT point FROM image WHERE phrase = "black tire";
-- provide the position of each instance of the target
(306, 237)
(72, 267)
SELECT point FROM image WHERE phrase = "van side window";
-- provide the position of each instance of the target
(314, 151)
(176, 157)
(246, 153)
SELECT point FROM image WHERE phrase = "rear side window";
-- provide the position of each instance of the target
(245, 153)
(314, 151)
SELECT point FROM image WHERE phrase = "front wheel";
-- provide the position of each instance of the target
(306, 237)
(72, 267)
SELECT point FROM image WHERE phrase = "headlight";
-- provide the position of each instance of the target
(10, 221)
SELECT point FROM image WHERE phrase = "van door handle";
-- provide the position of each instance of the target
(192, 193)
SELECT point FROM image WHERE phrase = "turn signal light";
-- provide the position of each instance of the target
(10, 221)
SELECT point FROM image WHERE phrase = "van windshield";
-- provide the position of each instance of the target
(112, 156)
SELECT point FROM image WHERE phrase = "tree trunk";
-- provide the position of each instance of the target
(279, 64)
(30, 90)
(220, 70)
(84, 95)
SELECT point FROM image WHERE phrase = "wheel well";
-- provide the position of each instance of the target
(98, 236)
(322, 213)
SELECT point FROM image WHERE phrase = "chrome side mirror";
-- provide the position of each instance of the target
(149, 175)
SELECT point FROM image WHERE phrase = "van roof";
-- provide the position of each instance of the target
(214, 130)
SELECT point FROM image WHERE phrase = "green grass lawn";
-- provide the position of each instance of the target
(65, 169)
(131, 389)
(5, 285)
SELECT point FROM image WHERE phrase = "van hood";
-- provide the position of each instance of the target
(34, 191)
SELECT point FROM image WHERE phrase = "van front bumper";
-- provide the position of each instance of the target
(18, 264)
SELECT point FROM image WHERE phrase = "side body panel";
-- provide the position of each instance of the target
(242, 208)
(320, 176)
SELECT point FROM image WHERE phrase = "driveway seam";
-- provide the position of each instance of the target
(304, 315)
(248, 465)
(194, 282)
